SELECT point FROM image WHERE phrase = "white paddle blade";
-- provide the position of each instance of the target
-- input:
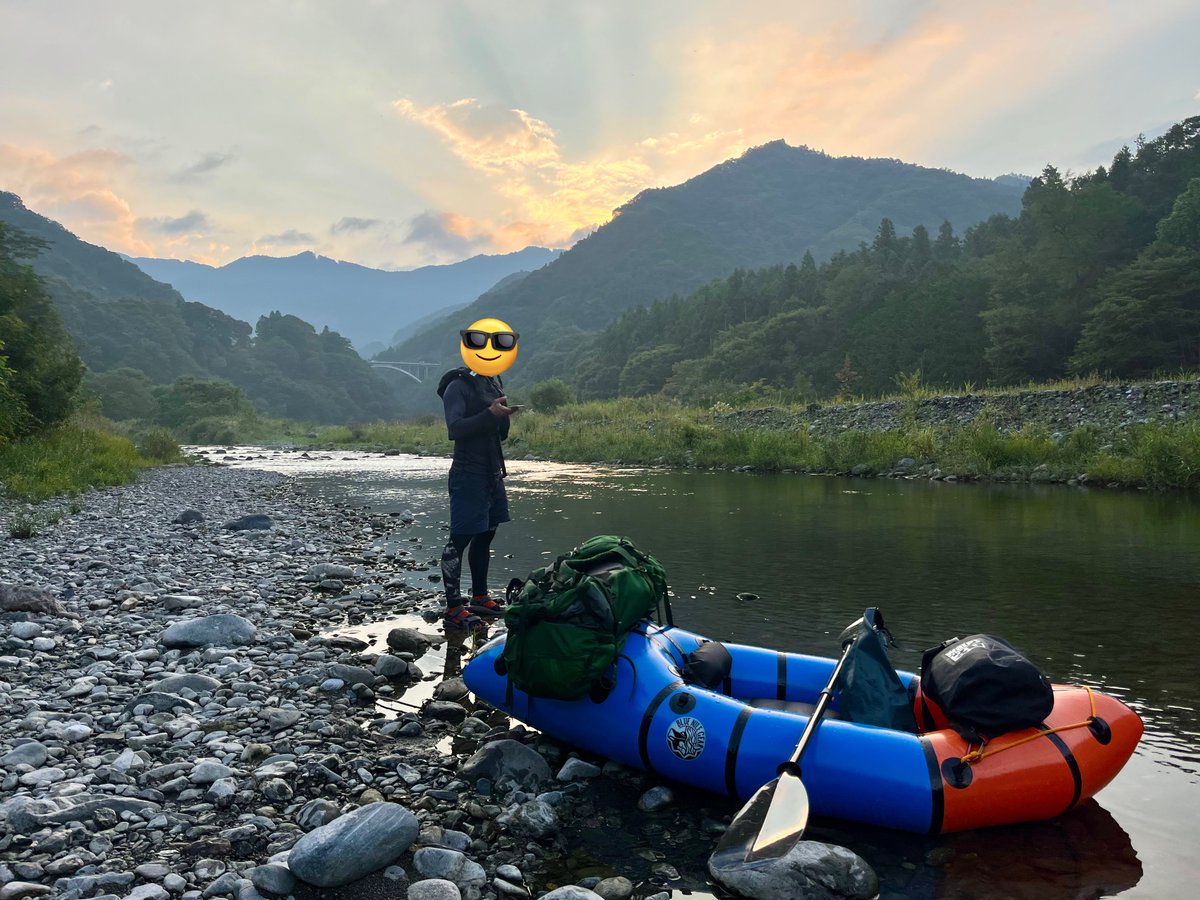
(786, 817)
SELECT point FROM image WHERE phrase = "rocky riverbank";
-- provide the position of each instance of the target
(196, 706)
(1108, 407)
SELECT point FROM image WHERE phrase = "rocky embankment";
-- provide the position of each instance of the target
(1107, 407)
(184, 718)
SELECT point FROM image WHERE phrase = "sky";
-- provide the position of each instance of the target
(397, 134)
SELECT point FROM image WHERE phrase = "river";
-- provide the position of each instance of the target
(1098, 587)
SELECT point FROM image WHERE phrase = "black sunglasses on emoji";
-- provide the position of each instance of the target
(501, 340)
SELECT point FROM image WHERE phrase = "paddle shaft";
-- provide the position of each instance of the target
(792, 766)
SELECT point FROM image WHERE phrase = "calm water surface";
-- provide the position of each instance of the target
(1100, 588)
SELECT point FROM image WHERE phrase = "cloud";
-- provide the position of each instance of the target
(447, 234)
(192, 223)
(291, 237)
(204, 167)
(352, 224)
(550, 198)
(78, 191)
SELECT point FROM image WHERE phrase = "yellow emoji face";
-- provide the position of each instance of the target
(488, 347)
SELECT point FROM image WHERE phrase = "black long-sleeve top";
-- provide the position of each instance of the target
(475, 431)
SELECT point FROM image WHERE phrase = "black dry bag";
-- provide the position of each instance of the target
(985, 686)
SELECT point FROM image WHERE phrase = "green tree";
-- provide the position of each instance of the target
(648, 370)
(547, 396)
(125, 394)
(190, 399)
(1182, 227)
(42, 369)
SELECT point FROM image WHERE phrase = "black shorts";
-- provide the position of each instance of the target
(478, 503)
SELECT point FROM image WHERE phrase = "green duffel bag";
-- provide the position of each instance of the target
(568, 621)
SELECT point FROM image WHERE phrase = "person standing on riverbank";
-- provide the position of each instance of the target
(478, 418)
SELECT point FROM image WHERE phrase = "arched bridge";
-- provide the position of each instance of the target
(417, 371)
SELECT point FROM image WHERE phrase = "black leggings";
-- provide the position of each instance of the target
(478, 558)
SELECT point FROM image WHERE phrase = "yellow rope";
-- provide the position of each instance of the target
(974, 756)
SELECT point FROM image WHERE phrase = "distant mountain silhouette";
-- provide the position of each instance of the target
(768, 206)
(356, 301)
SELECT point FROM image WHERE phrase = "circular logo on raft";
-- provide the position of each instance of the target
(685, 737)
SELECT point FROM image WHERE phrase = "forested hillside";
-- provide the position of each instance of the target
(1097, 273)
(120, 318)
(769, 206)
(39, 367)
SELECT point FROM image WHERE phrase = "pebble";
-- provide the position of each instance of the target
(175, 740)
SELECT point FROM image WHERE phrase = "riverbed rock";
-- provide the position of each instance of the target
(253, 522)
(19, 598)
(534, 819)
(393, 667)
(658, 797)
(408, 640)
(434, 889)
(454, 689)
(810, 870)
(576, 769)
(200, 684)
(453, 866)
(352, 675)
(220, 630)
(506, 764)
(321, 571)
(274, 879)
(617, 888)
(188, 517)
(317, 812)
(354, 845)
(159, 701)
(26, 815)
(571, 892)
(25, 631)
(32, 753)
(20, 890)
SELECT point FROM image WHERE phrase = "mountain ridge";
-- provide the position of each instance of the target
(770, 205)
(355, 300)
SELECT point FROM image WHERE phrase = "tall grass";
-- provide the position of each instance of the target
(68, 459)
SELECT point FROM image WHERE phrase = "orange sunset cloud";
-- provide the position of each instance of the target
(76, 189)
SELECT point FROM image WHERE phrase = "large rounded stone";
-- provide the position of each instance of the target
(810, 870)
(201, 684)
(508, 762)
(321, 571)
(32, 753)
(352, 674)
(391, 667)
(407, 640)
(353, 845)
(222, 630)
(159, 701)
